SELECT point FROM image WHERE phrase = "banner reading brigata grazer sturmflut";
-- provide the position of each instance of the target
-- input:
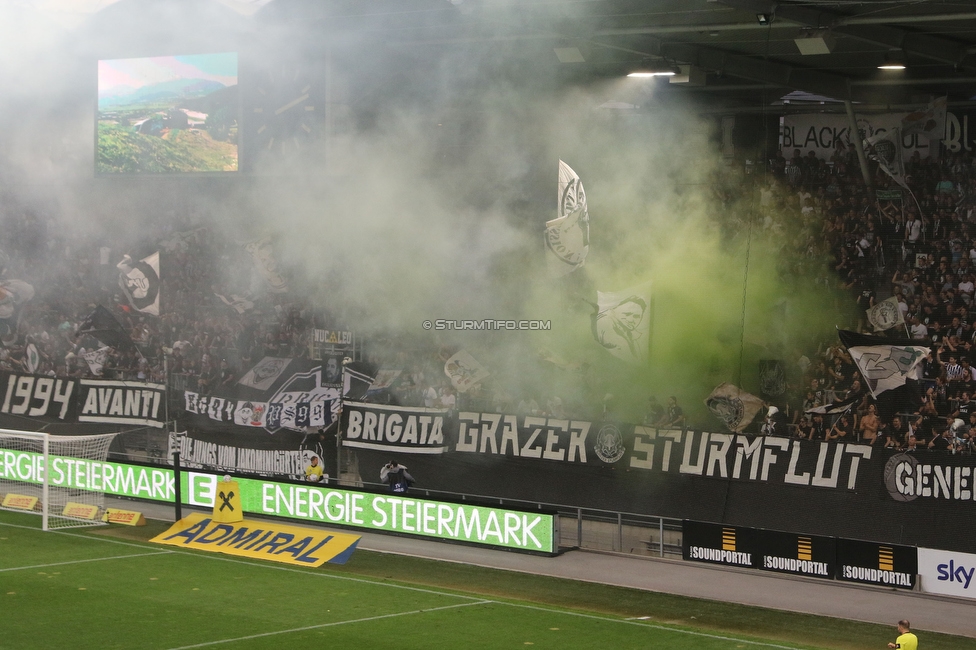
(397, 429)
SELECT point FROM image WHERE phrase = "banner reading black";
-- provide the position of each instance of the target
(877, 564)
(718, 544)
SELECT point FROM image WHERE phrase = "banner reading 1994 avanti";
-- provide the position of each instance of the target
(398, 513)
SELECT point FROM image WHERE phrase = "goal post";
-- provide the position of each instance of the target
(26, 485)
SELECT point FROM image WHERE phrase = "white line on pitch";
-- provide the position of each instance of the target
(64, 532)
(420, 589)
(263, 565)
(322, 625)
(640, 623)
(93, 559)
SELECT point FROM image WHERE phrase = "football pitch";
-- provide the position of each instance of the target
(110, 588)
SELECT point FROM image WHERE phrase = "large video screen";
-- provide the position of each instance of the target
(168, 114)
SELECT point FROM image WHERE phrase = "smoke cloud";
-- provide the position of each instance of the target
(429, 196)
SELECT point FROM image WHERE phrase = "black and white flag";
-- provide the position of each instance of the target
(622, 323)
(96, 360)
(103, 326)
(140, 282)
(885, 315)
(264, 373)
(733, 406)
(568, 235)
(464, 371)
(929, 122)
(885, 364)
(266, 265)
(885, 148)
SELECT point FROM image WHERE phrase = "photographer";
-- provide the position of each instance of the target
(396, 476)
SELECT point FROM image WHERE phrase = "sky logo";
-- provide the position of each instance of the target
(953, 572)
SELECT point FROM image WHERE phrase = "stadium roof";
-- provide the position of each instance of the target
(734, 54)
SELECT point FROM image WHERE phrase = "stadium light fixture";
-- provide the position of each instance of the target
(893, 61)
(653, 71)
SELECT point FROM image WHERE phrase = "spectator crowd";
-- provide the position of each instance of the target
(918, 246)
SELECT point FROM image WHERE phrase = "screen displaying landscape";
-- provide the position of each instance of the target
(168, 114)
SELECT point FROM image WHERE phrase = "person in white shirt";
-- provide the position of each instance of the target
(919, 330)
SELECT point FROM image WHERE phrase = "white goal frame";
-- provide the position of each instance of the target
(52, 498)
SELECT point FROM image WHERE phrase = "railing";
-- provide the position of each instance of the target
(583, 528)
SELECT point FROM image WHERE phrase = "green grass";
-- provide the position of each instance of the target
(109, 588)
(122, 150)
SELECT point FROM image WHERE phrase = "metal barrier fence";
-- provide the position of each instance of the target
(582, 528)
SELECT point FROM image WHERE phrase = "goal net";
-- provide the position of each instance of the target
(26, 485)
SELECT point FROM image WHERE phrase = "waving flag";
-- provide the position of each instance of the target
(929, 122)
(96, 360)
(885, 315)
(885, 148)
(622, 323)
(103, 326)
(885, 364)
(140, 282)
(568, 235)
(733, 406)
(464, 370)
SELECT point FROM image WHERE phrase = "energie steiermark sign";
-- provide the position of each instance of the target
(499, 527)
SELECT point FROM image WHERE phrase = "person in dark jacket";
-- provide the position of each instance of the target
(396, 476)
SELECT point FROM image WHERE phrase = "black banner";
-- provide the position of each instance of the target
(303, 394)
(285, 455)
(718, 544)
(848, 490)
(805, 555)
(394, 429)
(877, 564)
(45, 400)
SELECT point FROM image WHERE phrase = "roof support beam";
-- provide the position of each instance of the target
(930, 47)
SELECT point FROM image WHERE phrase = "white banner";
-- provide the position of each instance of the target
(140, 282)
(820, 133)
(623, 322)
(947, 572)
(885, 315)
(568, 235)
(464, 370)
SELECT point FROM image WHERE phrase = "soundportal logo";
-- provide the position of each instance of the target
(609, 444)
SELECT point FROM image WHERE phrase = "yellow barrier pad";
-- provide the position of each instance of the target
(79, 510)
(262, 540)
(20, 501)
(124, 517)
